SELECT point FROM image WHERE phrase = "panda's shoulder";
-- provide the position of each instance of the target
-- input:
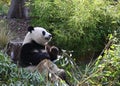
(28, 46)
(32, 45)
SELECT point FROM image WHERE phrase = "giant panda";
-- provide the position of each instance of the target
(34, 48)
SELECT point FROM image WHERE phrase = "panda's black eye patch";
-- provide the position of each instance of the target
(43, 32)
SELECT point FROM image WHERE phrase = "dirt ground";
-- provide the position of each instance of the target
(18, 28)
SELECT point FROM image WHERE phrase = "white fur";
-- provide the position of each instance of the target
(35, 51)
(27, 38)
(30, 68)
(37, 36)
(42, 50)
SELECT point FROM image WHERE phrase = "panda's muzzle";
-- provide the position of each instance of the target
(49, 37)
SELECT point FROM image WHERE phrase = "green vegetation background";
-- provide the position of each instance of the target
(78, 25)
(84, 26)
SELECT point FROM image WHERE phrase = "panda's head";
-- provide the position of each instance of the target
(37, 34)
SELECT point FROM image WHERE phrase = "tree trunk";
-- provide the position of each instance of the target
(18, 10)
(13, 49)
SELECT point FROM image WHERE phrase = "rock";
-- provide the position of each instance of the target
(52, 72)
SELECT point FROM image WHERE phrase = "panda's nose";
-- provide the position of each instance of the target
(50, 35)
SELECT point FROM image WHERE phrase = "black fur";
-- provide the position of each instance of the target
(30, 58)
(53, 53)
(30, 29)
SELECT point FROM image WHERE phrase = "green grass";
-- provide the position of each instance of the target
(5, 34)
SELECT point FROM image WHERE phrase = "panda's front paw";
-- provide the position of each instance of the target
(54, 50)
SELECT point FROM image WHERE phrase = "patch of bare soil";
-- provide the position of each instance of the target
(18, 28)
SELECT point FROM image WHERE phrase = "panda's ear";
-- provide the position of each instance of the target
(30, 29)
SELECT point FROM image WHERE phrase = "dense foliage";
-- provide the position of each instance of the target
(4, 7)
(79, 25)
(11, 75)
(105, 71)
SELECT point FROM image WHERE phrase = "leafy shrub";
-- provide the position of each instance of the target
(105, 71)
(3, 7)
(79, 25)
(10, 74)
